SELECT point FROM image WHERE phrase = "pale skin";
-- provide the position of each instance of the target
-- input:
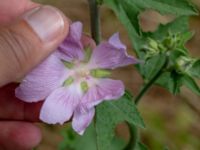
(17, 128)
(16, 132)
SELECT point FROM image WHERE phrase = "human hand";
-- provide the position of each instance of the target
(24, 43)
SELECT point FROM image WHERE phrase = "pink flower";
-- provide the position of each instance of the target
(73, 80)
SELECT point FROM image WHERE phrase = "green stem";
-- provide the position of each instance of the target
(95, 29)
(133, 137)
(147, 87)
(133, 130)
(150, 83)
(95, 20)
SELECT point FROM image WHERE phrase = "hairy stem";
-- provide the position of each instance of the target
(95, 20)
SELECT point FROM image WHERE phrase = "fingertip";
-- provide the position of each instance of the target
(48, 23)
(26, 136)
(19, 135)
(30, 40)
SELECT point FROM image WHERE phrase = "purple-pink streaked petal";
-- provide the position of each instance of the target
(60, 105)
(76, 30)
(42, 80)
(107, 56)
(72, 48)
(116, 42)
(81, 120)
(104, 89)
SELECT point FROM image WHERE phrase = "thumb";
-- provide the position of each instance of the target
(30, 40)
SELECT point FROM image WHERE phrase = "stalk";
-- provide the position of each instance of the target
(95, 28)
(150, 83)
(95, 20)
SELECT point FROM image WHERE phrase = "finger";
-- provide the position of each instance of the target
(30, 40)
(10, 9)
(18, 135)
(12, 108)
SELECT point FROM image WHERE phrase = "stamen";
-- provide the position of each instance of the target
(69, 81)
(84, 86)
(100, 73)
(88, 53)
(67, 64)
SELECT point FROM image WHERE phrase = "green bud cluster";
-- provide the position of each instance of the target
(169, 43)
(153, 48)
(173, 47)
(172, 41)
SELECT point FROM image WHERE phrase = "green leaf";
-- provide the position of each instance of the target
(153, 65)
(186, 36)
(195, 70)
(179, 25)
(73, 141)
(177, 7)
(141, 146)
(191, 84)
(128, 10)
(111, 113)
(170, 81)
(128, 15)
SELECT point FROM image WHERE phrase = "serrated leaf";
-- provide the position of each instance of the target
(111, 113)
(176, 7)
(179, 25)
(191, 84)
(129, 20)
(128, 10)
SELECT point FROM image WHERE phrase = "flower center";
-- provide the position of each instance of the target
(81, 73)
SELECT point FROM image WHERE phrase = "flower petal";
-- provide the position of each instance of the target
(59, 106)
(81, 120)
(76, 29)
(45, 78)
(115, 41)
(72, 48)
(104, 89)
(110, 55)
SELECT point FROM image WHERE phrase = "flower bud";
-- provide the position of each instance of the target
(183, 64)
